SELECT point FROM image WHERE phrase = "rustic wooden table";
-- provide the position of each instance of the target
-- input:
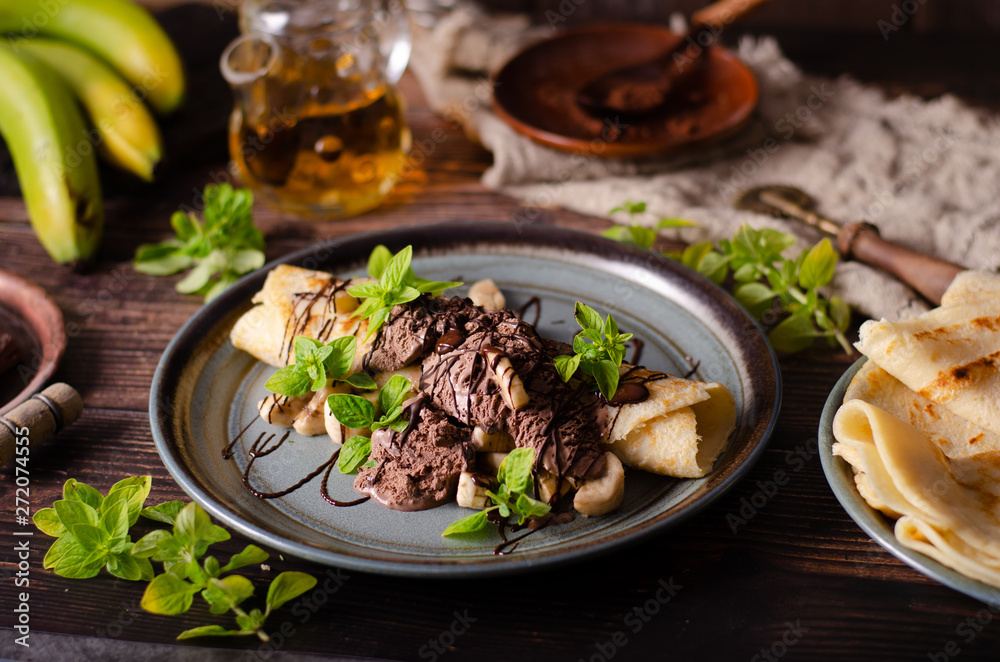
(798, 580)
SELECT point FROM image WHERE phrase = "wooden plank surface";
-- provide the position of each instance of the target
(798, 581)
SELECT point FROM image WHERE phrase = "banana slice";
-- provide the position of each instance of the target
(470, 494)
(281, 410)
(311, 420)
(490, 462)
(488, 442)
(548, 484)
(602, 495)
(487, 295)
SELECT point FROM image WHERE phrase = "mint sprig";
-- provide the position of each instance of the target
(92, 530)
(396, 284)
(640, 235)
(186, 574)
(218, 251)
(599, 350)
(513, 496)
(764, 278)
(354, 411)
(315, 363)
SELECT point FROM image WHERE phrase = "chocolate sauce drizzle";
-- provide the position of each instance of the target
(533, 302)
(302, 305)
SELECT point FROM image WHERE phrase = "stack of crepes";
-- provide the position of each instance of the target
(920, 425)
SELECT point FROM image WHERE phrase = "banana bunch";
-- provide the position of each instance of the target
(76, 77)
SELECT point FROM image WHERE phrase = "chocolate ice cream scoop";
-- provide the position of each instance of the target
(416, 469)
(413, 329)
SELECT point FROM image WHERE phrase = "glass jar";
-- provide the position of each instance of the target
(318, 127)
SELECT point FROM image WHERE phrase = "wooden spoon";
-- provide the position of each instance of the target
(646, 87)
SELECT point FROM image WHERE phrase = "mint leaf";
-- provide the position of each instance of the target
(128, 567)
(67, 558)
(588, 318)
(354, 453)
(289, 381)
(151, 543)
(818, 266)
(755, 297)
(227, 592)
(89, 537)
(221, 249)
(212, 631)
(351, 410)
(436, 287)
(251, 555)
(516, 470)
(165, 512)
(794, 334)
(377, 261)
(167, 594)
(605, 373)
(397, 284)
(527, 507)
(341, 356)
(469, 524)
(566, 366)
(48, 521)
(363, 381)
(288, 586)
(75, 512)
(74, 491)
(394, 393)
(395, 270)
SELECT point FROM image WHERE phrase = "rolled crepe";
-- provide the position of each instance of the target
(679, 430)
(299, 302)
(950, 505)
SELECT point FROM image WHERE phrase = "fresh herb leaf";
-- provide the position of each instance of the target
(599, 350)
(287, 586)
(393, 394)
(516, 469)
(48, 521)
(165, 512)
(68, 558)
(363, 381)
(74, 491)
(567, 366)
(354, 453)
(469, 524)
(513, 495)
(315, 363)
(352, 411)
(221, 249)
(251, 555)
(396, 284)
(765, 279)
(168, 594)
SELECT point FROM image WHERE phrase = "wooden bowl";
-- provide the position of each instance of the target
(536, 94)
(35, 322)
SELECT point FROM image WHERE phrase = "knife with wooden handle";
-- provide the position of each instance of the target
(859, 241)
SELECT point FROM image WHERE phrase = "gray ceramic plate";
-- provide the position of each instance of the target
(205, 391)
(841, 478)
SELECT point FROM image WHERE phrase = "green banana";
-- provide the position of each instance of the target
(123, 33)
(129, 137)
(54, 158)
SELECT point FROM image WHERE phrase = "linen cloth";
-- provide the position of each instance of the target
(925, 172)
